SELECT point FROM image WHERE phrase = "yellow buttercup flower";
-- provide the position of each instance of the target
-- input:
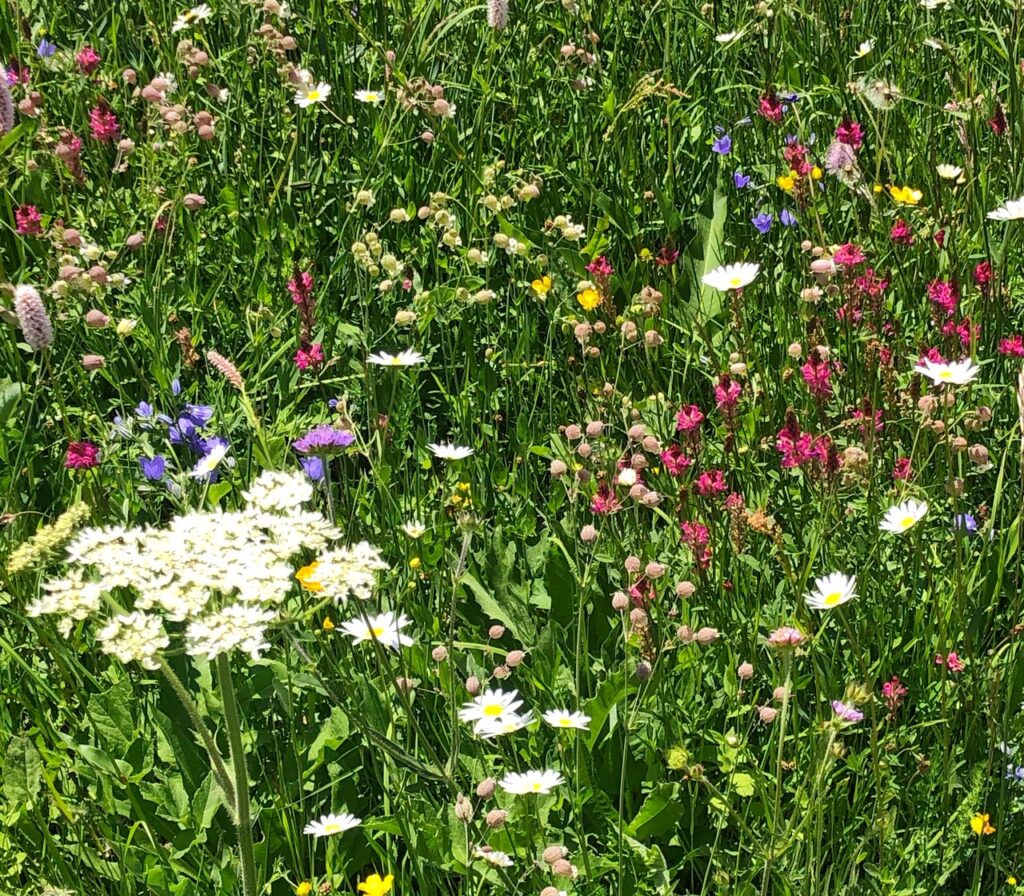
(785, 182)
(589, 299)
(307, 577)
(304, 889)
(816, 173)
(375, 885)
(542, 285)
(980, 824)
(415, 563)
(328, 626)
(905, 195)
(646, 254)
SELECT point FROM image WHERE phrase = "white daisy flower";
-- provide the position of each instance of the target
(563, 718)
(371, 97)
(385, 628)
(863, 50)
(414, 529)
(1011, 210)
(195, 14)
(209, 461)
(949, 172)
(494, 857)
(903, 516)
(406, 358)
(831, 591)
(310, 93)
(955, 373)
(448, 451)
(731, 276)
(332, 824)
(539, 782)
(507, 724)
(491, 704)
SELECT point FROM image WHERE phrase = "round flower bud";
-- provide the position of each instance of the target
(978, 454)
(563, 868)
(573, 432)
(472, 684)
(707, 635)
(643, 670)
(619, 601)
(92, 362)
(654, 570)
(632, 564)
(495, 632)
(552, 854)
(685, 589)
(588, 534)
(463, 809)
(767, 714)
(558, 468)
(134, 241)
(193, 201)
(501, 672)
(515, 658)
(685, 634)
(745, 671)
(779, 693)
(795, 350)
(496, 818)
(439, 654)
(637, 432)
(550, 891)
(594, 429)
(96, 319)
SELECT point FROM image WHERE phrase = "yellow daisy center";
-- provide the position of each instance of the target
(907, 522)
(493, 709)
(833, 598)
(313, 95)
(378, 630)
(736, 282)
(536, 786)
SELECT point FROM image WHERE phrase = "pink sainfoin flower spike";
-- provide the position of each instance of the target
(600, 267)
(82, 456)
(674, 460)
(311, 358)
(103, 124)
(901, 234)
(689, 418)
(697, 538)
(893, 693)
(1012, 346)
(983, 276)
(944, 296)
(848, 255)
(605, 501)
(28, 221)
(727, 393)
(951, 662)
(88, 60)
(902, 470)
(786, 638)
(817, 375)
(770, 108)
(710, 483)
(850, 133)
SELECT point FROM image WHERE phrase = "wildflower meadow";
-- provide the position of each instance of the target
(531, 447)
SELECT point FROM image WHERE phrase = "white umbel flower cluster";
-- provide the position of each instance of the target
(221, 574)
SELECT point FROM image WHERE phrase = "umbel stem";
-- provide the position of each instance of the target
(243, 813)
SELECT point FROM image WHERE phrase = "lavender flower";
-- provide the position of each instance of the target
(846, 712)
(324, 441)
(762, 222)
(46, 49)
(722, 145)
(153, 467)
(740, 180)
(787, 218)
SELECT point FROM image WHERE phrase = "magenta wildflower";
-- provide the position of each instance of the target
(311, 358)
(901, 233)
(82, 456)
(689, 418)
(902, 470)
(893, 693)
(846, 712)
(88, 60)
(944, 295)
(674, 460)
(850, 133)
(28, 220)
(848, 255)
(1012, 346)
(103, 124)
(324, 441)
(601, 267)
(605, 501)
(710, 483)
(817, 375)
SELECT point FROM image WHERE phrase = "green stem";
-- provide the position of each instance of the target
(220, 770)
(243, 819)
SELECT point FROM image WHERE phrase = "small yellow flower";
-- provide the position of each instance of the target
(905, 195)
(375, 885)
(877, 188)
(785, 182)
(1012, 881)
(646, 254)
(980, 825)
(328, 626)
(542, 285)
(463, 486)
(589, 299)
(304, 889)
(816, 173)
(456, 499)
(415, 563)
(307, 577)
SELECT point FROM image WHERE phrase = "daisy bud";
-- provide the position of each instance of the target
(472, 684)
(707, 635)
(745, 671)
(496, 818)
(485, 789)
(463, 809)
(439, 654)
(588, 534)
(96, 319)
(553, 854)
(619, 601)
(495, 632)
(92, 362)
(685, 589)
(978, 454)
(767, 714)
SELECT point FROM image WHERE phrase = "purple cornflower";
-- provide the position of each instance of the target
(762, 222)
(153, 467)
(740, 180)
(722, 145)
(787, 218)
(324, 441)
